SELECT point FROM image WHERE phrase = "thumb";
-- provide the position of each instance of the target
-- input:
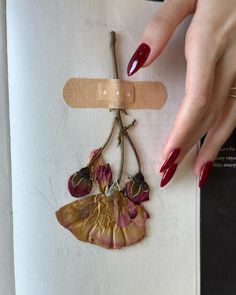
(158, 32)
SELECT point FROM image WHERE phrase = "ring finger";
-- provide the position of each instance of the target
(214, 140)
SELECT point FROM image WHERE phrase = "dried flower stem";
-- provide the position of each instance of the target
(134, 150)
(98, 154)
(121, 137)
(113, 51)
(118, 111)
(119, 118)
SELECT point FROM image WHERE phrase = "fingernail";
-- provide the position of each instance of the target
(138, 59)
(204, 172)
(168, 174)
(173, 155)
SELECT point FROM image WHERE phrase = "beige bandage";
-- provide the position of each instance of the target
(114, 93)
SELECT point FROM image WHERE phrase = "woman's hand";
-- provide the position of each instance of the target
(210, 51)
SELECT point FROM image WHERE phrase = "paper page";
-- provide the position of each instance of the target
(6, 234)
(50, 42)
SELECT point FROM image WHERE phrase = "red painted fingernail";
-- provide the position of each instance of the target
(204, 172)
(168, 174)
(138, 59)
(173, 155)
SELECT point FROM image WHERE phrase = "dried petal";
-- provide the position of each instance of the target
(103, 176)
(80, 184)
(125, 210)
(137, 189)
(93, 153)
(97, 163)
(107, 221)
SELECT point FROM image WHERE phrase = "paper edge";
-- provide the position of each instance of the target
(7, 278)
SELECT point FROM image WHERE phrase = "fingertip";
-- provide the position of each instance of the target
(170, 159)
(156, 35)
(138, 58)
(204, 173)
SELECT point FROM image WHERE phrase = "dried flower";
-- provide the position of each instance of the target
(111, 218)
(137, 189)
(80, 183)
(111, 222)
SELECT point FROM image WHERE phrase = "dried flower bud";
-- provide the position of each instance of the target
(80, 183)
(137, 189)
(103, 176)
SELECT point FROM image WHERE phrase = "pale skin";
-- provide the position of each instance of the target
(210, 51)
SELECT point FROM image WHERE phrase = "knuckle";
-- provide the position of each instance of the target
(211, 119)
(188, 6)
(160, 23)
(204, 37)
(201, 101)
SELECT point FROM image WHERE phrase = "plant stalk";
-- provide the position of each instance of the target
(94, 159)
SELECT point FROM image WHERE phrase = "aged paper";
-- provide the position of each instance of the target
(48, 43)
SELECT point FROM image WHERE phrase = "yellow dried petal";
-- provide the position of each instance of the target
(104, 220)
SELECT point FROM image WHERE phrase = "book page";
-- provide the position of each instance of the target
(50, 42)
(6, 234)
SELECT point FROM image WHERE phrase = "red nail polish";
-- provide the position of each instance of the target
(138, 59)
(168, 174)
(173, 155)
(205, 170)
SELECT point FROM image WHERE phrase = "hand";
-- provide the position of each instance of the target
(210, 51)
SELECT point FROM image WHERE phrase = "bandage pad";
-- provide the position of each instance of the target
(114, 93)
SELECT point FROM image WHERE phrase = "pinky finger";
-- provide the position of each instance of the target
(214, 140)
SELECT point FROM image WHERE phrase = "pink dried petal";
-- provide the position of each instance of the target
(125, 210)
(132, 209)
(93, 153)
(97, 163)
(103, 176)
(141, 197)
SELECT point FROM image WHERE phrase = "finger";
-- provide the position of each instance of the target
(194, 118)
(158, 32)
(189, 120)
(214, 140)
(224, 76)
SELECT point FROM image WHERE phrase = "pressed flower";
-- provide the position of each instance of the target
(108, 221)
(80, 183)
(137, 189)
(111, 218)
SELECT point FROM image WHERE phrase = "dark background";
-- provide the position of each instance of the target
(218, 224)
